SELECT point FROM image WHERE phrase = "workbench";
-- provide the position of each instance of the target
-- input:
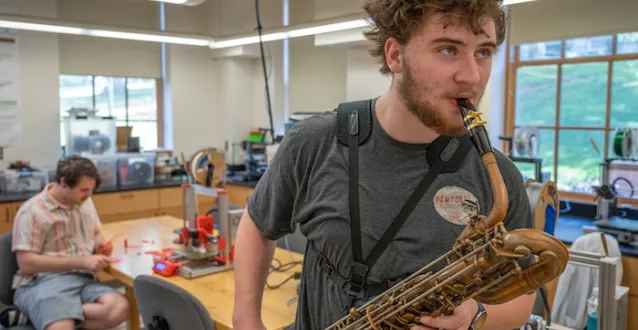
(215, 291)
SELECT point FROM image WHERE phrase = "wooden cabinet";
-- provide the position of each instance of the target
(119, 206)
(630, 280)
(128, 205)
(630, 275)
(6, 220)
(8, 212)
(238, 194)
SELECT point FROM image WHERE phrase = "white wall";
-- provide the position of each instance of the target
(334, 8)
(111, 57)
(196, 117)
(39, 70)
(362, 67)
(565, 19)
(318, 76)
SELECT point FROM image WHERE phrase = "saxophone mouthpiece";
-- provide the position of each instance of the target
(465, 106)
(475, 126)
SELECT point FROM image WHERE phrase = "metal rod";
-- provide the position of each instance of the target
(224, 221)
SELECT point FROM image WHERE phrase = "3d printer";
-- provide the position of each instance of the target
(206, 242)
(609, 216)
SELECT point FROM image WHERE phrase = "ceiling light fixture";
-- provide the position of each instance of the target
(299, 31)
(53, 26)
(183, 2)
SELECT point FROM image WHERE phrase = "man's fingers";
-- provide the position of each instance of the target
(442, 322)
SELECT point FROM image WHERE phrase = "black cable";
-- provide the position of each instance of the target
(263, 64)
(276, 286)
(283, 268)
(631, 186)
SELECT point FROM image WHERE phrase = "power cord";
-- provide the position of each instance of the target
(263, 64)
(296, 276)
(283, 268)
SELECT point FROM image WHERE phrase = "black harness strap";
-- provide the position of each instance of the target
(354, 120)
(354, 123)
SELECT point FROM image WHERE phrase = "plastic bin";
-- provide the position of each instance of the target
(90, 136)
(136, 168)
(107, 168)
(12, 181)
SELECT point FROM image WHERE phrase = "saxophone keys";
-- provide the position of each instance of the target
(388, 299)
(449, 310)
(482, 261)
(407, 318)
(523, 250)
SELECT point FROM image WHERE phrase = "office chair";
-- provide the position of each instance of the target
(166, 306)
(8, 268)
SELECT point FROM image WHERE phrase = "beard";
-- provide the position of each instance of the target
(426, 112)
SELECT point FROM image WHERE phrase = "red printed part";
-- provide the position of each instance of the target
(221, 244)
(115, 260)
(107, 249)
(202, 236)
(205, 222)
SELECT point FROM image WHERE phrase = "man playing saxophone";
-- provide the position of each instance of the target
(435, 51)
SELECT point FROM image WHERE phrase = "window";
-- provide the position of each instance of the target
(576, 92)
(131, 101)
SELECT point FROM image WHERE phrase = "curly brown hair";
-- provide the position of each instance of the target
(402, 18)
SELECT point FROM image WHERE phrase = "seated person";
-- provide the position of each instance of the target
(59, 249)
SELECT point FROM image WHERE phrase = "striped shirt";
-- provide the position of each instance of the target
(47, 227)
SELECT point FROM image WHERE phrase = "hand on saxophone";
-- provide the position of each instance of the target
(460, 320)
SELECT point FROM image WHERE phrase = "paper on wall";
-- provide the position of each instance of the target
(9, 88)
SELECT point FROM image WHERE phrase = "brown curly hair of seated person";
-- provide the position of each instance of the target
(400, 19)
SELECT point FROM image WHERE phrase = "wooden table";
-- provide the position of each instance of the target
(215, 291)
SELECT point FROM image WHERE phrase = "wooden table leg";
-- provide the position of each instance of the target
(134, 315)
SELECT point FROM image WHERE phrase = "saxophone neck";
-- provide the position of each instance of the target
(478, 134)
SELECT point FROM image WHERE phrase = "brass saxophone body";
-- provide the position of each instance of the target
(483, 264)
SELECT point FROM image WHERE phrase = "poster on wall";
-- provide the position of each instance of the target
(9, 88)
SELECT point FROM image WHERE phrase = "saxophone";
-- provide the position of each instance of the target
(484, 263)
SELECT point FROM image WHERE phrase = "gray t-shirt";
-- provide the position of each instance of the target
(307, 184)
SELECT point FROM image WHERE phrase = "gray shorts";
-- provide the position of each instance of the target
(54, 297)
